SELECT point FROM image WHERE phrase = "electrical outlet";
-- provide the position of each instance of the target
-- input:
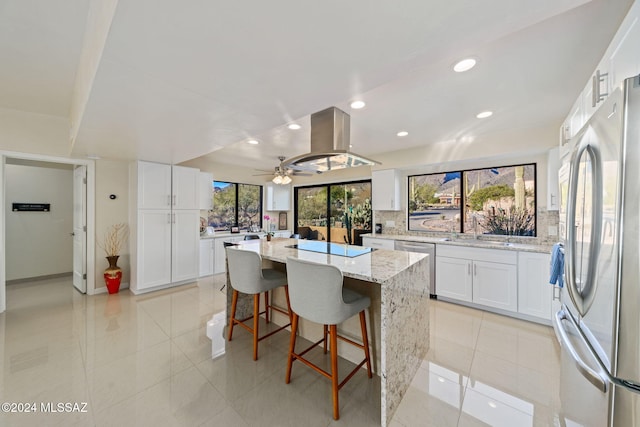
(390, 223)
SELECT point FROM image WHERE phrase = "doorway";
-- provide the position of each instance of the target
(77, 230)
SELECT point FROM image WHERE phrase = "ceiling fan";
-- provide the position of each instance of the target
(281, 174)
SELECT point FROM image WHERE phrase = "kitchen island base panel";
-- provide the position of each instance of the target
(405, 333)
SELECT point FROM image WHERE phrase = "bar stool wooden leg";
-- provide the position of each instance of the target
(325, 330)
(292, 345)
(286, 294)
(333, 334)
(234, 302)
(266, 306)
(365, 341)
(256, 320)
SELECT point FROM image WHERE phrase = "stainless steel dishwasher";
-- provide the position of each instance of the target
(423, 248)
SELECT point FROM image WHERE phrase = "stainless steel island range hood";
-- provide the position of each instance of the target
(330, 141)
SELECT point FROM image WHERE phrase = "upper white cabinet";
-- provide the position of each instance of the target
(154, 185)
(185, 188)
(534, 291)
(385, 190)
(206, 191)
(553, 185)
(619, 62)
(278, 197)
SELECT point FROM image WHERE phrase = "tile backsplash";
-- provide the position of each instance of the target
(546, 221)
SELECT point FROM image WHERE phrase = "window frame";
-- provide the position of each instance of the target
(236, 205)
(463, 196)
(328, 205)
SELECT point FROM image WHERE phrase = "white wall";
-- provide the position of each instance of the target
(112, 177)
(39, 243)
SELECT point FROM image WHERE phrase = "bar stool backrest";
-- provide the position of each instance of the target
(245, 270)
(315, 292)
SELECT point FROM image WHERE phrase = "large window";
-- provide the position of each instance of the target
(235, 205)
(334, 212)
(500, 200)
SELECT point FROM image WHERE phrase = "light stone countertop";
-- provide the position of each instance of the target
(222, 234)
(482, 242)
(378, 266)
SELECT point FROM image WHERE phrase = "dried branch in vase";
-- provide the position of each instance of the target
(114, 239)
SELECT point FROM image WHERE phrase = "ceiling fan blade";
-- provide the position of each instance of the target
(263, 174)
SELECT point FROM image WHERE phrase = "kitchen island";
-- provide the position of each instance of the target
(398, 285)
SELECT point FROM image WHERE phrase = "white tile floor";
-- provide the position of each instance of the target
(146, 360)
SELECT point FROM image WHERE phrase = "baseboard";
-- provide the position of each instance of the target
(33, 279)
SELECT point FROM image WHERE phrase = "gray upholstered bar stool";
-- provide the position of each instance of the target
(317, 294)
(246, 275)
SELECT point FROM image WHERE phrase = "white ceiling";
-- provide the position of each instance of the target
(179, 80)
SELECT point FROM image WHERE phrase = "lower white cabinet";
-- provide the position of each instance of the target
(167, 248)
(495, 285)
(207, 251)
(453, 278)
(483, 276)
(371, 242)
(535, 294)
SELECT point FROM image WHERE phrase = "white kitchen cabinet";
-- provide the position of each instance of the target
(453, 278)
(535, 294)
(185, 184)
(385, 190)
(185, 245)
(371, 242)
(207, 253)
(495, 285)
(278, 197)
(206, 191)
(151, 259)
(483, 276)
(154, 185)
(553, 185)
(164, 223)
(624, 61)
(220, 253)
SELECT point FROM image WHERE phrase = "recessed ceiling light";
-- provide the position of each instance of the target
(402, 133)
(253, 142)
(356, 105)
(294, 126)
(464, 65)
(484, 114)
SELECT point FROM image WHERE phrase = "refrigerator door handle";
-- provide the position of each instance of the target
(583, 298)
(595, 378)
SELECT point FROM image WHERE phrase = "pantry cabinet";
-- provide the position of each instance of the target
(164, 223)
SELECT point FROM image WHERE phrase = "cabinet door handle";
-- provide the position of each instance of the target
(169, 200)
(168, 218)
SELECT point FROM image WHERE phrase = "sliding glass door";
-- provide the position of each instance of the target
(334, 212)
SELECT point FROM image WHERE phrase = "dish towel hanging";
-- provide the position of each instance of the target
(557, 265)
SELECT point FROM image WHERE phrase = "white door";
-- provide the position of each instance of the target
(495, 285)
(80, 228)
(154, 248)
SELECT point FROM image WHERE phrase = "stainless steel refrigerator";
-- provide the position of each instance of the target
(598, 324)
